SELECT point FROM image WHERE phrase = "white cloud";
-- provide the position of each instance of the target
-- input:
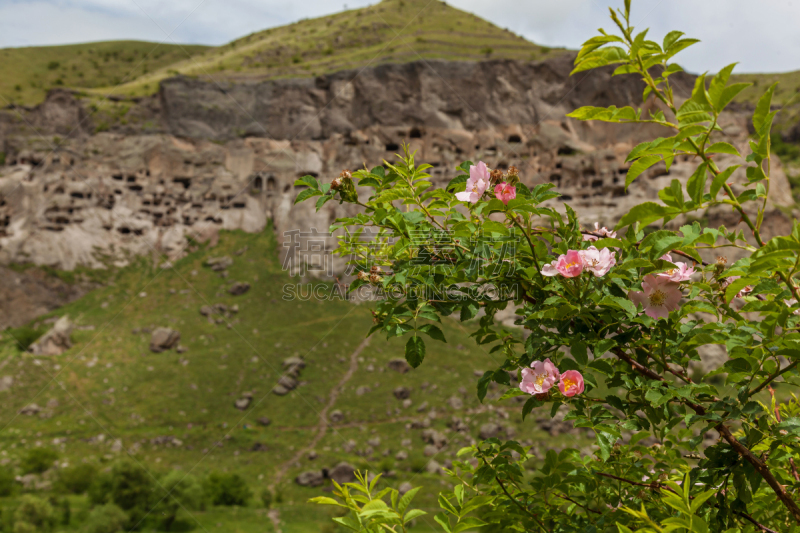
(731, 30)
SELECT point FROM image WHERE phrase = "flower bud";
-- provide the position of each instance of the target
(375, 269)
(346, 174)
(496, 176)
(363, 276)
(336, 183)
(375, 278)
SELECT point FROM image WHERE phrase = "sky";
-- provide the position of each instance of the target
(760, 34)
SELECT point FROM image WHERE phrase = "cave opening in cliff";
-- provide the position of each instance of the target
(415, 133)
(258, 184)
(271, 184)
(392, 147)
(566, 150)
(514, 139)
(186, 182)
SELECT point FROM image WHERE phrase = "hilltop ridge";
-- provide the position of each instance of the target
(392, 31)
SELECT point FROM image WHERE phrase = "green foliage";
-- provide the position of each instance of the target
(177, 491)
(77, 479)
(370, 510)
(33, 514)
(7, 482)
(227, 489)
(37, 460)
(108, 518)
(133, 490)
(609, 322)
(266, 498)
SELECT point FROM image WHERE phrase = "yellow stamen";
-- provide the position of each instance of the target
(658, 298)
(568, 383)
(540, 379)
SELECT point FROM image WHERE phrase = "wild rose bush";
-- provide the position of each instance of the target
(616, 321)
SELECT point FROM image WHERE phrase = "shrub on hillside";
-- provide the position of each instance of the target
(133, 490)
(34, 515)
(100, 490)
(108, 518)
(77, 479)
(37, 460)
(7, 482)
(227, 489)
(177, 491)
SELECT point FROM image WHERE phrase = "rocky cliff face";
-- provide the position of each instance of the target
(205, 156)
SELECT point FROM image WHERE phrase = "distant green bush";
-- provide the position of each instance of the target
(178, 490)
(6, 482)
(25, 336)
(107, 518)
(266, 498)
(53, 65)
(100, 490)
(132, 489)
(38, 460)
(33, 515)
(227, 489)
(77, 479)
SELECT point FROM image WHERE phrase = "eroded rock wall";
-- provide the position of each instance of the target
(226, 155)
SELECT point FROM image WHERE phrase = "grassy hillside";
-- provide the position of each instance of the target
(109, 386)
(28, 73)
(390, 31)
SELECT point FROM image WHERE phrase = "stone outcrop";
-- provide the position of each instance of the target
(226, 156)
(163, 339)
(56, 341)
(32, 292)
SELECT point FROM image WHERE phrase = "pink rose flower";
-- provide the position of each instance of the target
(604, 232)
(571, 383)
(505, 192)
(660, 296)
(681, 272)
(666, 257)
(477, 183)
(569, 265)
(598, 262)
(539, 378)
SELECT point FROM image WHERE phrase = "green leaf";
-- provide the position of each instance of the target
(644, 213)
(729, 93)
(722, 148)
(733, 289)
(529, 405)
(604, 114)
(697, 184)
(640, 166)
(309, 181)
(579, 353)
(671, 38)
(415, 351)
(720, 179)
(306, 194)
(433, 331)
(763, 109)
(718, 85)
(412, 514)
(406, 499)
(324, 500)
(468, 523)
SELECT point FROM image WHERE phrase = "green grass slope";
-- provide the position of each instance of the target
(110, 387)
(390, 31)
(28, 73)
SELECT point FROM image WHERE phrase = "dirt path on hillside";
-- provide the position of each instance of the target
(322, 429)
